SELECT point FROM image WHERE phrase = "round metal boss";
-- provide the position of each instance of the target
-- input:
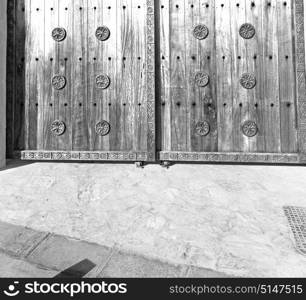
(59, 82)
(102, 128)
(58, 128)
(249, 128)
(247, 31)
(59, 34)
(102, 81)
(102, 33)
(248, 81)
(202, 128)
(200, 32)
(202, 79)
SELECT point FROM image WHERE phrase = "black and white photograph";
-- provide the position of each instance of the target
(152, 147)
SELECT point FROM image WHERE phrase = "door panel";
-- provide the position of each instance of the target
(246, 106)
(90, 80)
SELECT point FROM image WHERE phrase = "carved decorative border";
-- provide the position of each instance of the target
(300, 74)
(277, 158)
(84, 156)
(151, 79)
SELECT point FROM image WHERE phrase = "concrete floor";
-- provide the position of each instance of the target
(221, 217)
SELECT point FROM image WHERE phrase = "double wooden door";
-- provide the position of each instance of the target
(174, 80)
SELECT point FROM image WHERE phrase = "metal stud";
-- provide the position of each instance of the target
(200, 32)
(249, 128)
(59, 34)
(58, 128)
(248, 81)
(102, 33)
(59, 82)
(247, 31)
(202, 128)
(202, 79)
(103, 128)
(102, 81)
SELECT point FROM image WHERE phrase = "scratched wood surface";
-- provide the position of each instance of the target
(225, 56)
(15, 76)
(81, 57)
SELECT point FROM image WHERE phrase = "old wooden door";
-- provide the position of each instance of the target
(232, 81)
(89, 80)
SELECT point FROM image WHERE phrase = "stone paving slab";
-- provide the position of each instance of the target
(19, 241)
(52, 254)
(61, 252)
(194, 272)
(11, 267)
(123, 264)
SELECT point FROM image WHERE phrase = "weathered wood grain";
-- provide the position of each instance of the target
(20, 76)
(194, 103)
(165, 89)
(271, 83)
(288, 120)
(207, 49)
(224, 60)
(80, 136)
(10, 77)
(50, 69)
(64, 48)
(35, 77)
(178, 76)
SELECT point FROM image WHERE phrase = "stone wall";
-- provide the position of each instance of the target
(2, 80)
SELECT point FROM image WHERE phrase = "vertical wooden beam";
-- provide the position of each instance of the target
(3, 34)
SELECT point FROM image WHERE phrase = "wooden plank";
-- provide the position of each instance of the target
(239, 67)
(287, 95)
(125, 67)
(178, 76)
(51, 69)
(64, 48)
(258, 57)
(10, 77)
(165, 89)
(194, 103)
(224, 60)
(18, 125)
(253, 16)
(108, 59)
(207, 54)
(138, 75)
(80, 136)
(94, 102)
(271, 79)
(36, 103)
(35, 77)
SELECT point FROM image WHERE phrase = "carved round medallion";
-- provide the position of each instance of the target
(249, 128)
(59, 34)
(102, 81)
(247, 31)
(59, 82)
(58, 128)
(102, 33)
(202, 128)
(102, 128)
(202, 79)
(248, 81)
(200, 32)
